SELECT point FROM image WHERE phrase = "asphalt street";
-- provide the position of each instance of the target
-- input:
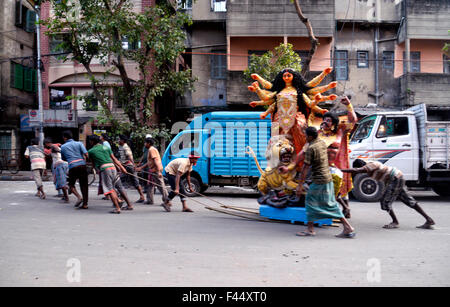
(49, 243)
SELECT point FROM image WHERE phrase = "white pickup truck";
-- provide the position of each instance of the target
(416, 141)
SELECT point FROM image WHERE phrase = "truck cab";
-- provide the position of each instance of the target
(390, 138)
(416, 141)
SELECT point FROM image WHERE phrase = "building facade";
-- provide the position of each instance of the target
(66, 85)
(424, 76)
(363, 40)
(17, 76)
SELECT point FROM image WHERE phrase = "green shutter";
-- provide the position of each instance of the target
(18, 76)
(28, 79)
(30, 25)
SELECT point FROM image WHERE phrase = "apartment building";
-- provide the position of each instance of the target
(17, 75)
(364, 40)
(424, 76)
(364, 51)
(206, 55)
(65, 82)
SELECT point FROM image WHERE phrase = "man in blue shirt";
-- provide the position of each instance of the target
(76, 154)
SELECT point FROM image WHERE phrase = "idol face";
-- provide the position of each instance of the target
(327, 123)
(288, 77)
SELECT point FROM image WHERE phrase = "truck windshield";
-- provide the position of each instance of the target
(364, 129)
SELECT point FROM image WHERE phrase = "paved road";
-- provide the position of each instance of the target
(47, 243)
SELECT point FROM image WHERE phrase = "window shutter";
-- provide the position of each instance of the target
(28, 79)
(415, 61)
(18, 76)
(19, 21)
(31, 21)
(341, 65)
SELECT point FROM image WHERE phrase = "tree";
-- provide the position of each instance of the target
(113, 32)
(271, 63)
(314, 41)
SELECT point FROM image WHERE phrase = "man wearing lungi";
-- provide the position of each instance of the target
(320, 202)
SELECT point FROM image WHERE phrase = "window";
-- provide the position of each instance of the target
(57, 43)
(130, 45)
(341, 64)
(185, 4)
(86, 100)
(446, 64)
(364, 129)
(25, 18)
(219, 5)
(415, 61)
(388, 59)
(219, 65)
(5, 143)
(23, 78)
(60, 98)
(362, 59)
(393, 126)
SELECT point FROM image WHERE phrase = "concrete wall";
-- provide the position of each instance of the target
(368, 10)
(361, 81)
(206, 39)
(201, 11)
(278, 18)
(428, 19)
(417, 88)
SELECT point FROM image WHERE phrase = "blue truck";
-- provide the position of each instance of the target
(221, 138)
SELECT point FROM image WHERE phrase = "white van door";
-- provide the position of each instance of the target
(395, 144)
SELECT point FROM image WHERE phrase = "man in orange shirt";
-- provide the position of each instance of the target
(155, 176)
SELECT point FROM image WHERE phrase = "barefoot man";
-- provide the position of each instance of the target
(320, 202)
(395, 188)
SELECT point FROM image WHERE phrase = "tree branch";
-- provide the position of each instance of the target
(314, 41)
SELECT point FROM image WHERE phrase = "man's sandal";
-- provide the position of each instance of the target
(305, 234)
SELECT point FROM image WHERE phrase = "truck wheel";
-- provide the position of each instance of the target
(367, 189)
(441, 188)
(196, 184)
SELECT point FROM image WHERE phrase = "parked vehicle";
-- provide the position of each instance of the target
(416, 141)
(221, 139)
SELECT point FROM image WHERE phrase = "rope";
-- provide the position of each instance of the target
(205, 205)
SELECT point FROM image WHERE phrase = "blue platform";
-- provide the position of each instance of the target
(292, 214)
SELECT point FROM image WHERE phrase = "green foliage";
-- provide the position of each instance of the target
(271, 63)
(446, 47)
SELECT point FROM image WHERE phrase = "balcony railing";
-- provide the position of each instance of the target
(64, 105)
